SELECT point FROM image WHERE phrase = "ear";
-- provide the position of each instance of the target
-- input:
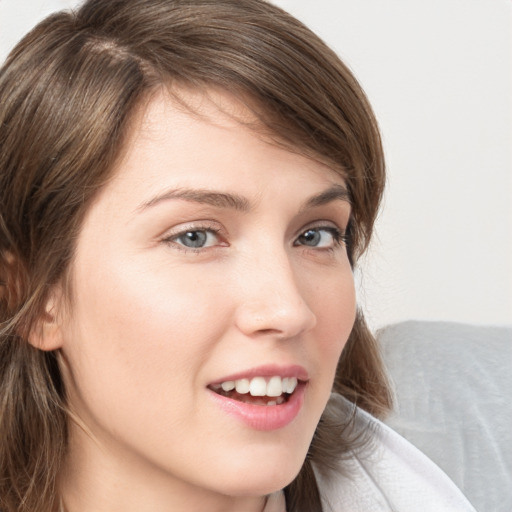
(46, 333)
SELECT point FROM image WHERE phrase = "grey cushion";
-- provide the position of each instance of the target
(453, 386)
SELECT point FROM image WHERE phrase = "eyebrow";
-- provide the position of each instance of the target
(240, 203)
(333, 193)
(212, 198)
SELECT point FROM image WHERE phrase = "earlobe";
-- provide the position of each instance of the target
(46, 333)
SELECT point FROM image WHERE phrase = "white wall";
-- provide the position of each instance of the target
(18, 16)
(439, 75)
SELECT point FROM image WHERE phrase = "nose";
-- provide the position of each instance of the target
(271, 300)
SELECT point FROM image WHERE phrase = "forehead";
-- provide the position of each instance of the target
(182, 127)
(217, 107)
(181, 105)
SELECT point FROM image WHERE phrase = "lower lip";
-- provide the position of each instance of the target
(263, 417)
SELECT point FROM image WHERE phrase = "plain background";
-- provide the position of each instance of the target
(439, 76)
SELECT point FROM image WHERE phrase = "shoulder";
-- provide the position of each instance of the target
(388, 474)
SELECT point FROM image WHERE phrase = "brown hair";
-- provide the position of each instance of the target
(67, 94)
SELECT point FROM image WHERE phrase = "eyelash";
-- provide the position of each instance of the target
(339, 238)
(172, 239)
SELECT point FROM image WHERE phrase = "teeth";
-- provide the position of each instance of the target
(229, 385)
(258, 386)
(242, 386)
(275, 387)
(290, 385)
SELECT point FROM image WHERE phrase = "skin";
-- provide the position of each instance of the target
(151, 323)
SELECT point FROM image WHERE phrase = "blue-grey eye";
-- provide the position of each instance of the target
(193, 239)
(319, 237)
(311, 237)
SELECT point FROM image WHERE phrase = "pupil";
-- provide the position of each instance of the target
(194, 239)
(311, 237)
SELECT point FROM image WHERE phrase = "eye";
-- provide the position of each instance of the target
(195, 238)
(321, 237)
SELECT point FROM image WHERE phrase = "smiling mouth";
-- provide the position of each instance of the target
(258, 390)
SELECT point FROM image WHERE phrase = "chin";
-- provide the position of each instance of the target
(259, 485)
(263, 473)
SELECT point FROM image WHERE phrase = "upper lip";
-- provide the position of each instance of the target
(269, 370)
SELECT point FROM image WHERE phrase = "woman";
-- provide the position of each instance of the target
(186, 187)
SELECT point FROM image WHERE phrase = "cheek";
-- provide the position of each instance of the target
(335, 308)
(334, 303)
(135, 331)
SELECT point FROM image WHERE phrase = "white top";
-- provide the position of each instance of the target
(390, 475)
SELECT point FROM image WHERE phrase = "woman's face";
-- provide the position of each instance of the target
(212, 259)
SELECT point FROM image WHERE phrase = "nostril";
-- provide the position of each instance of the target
(271, 318)
(264, 332)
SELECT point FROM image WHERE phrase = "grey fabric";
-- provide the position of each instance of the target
(453, 386)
